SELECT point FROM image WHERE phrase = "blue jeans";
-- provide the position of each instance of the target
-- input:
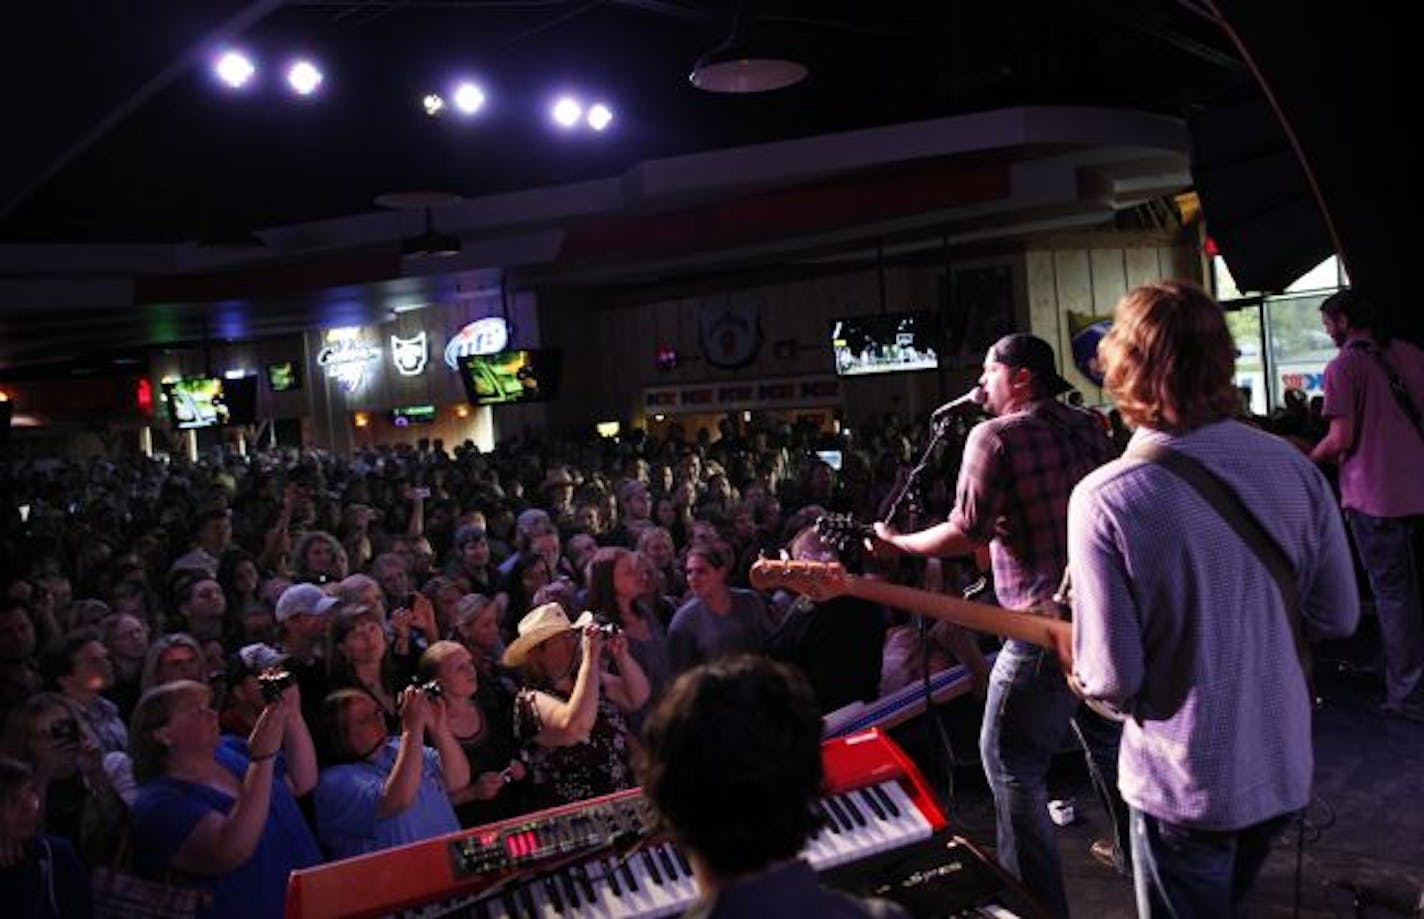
(1026, 720)
(1386, 546)
(1184, 873)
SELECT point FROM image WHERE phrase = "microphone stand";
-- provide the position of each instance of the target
(939, 430)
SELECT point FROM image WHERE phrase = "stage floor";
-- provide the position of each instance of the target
(1365, 828)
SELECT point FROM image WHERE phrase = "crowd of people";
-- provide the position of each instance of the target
(253, 663)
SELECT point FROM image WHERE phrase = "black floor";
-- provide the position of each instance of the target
(1363, 848)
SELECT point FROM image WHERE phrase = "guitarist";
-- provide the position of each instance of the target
(1017, 473)
(1185, 619)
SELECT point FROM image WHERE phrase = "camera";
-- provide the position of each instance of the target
(606, 629)
(273, 683)
(432, 689)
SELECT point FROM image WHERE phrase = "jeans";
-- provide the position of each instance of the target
(1183, 873)
(1386, 546)
(1026, 718)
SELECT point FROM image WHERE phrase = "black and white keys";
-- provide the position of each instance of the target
(657, 881)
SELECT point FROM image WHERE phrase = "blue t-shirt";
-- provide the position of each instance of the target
(348, 796)
(167, 809)
(698, 636)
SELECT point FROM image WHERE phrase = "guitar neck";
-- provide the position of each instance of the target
(1039, 630)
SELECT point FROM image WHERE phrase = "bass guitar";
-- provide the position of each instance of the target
(824, 580)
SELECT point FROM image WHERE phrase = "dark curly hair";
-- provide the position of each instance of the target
(741, 791)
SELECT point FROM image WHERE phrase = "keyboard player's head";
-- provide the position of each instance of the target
(732, 763)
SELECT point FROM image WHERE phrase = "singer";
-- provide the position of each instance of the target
(1018, 471)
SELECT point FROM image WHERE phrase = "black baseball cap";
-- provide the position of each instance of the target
(1034, 355)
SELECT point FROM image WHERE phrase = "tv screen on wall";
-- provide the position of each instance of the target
(886, 343)
(527, 375)
(196, 402)
(284, 376)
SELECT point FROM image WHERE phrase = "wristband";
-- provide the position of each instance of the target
(262, 757)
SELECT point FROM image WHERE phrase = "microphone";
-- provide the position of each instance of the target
(972, 399)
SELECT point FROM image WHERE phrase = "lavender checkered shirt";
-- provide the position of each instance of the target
(1177, 621)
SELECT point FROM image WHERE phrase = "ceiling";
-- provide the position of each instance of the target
(135, 183)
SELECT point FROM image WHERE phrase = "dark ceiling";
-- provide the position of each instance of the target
(117, 134)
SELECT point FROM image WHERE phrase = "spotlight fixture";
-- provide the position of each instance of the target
(741, 64)
(430, 244)
(234, 69)
(469, 98)
(303, 77)
(600, 116)
(433, 104)
(566, 111)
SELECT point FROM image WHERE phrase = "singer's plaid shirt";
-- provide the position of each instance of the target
(1014, 483)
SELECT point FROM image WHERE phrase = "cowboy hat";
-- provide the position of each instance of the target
(538, 626)
(557, 477)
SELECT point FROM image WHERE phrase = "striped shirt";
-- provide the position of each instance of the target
(1177, 621)
(1014, 482)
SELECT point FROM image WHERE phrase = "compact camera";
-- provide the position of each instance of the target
(606, 629)
(273, 683)
(432, 689)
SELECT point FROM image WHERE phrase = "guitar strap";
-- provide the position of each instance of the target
(1396, 384)
(1234, 511)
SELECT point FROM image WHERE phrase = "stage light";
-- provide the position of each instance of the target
(234, 69)
(304, 78)
(600, 116)
(566, 111)
(469, 98)
(433, 104)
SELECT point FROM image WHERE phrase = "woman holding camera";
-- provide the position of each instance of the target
(222, 811)
(571, 711)
(76, 799)
(616, 584)
(497, 788)
(358, 656)
(387, 790)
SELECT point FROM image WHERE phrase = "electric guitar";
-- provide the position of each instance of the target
(824, 580)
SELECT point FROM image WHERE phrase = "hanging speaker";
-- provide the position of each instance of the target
(1258, 205)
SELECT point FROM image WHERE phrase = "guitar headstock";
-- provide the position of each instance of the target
(817, 580)
(842, 532)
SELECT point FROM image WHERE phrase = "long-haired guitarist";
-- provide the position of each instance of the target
(1179, 622)
(1018, 470)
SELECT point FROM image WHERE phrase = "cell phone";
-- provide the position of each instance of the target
(831, 458)
(421, 491)
(24, 513)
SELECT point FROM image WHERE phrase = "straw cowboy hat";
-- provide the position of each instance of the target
(538, 626)
(557, 477)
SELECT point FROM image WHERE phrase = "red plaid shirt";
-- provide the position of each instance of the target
(1014, 483)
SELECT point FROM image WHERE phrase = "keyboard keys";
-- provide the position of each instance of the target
(657, 881)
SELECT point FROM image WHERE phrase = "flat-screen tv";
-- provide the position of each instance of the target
(284, 376)
(511, 376)
(886, 343)
(196, 402)
(412, 414)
